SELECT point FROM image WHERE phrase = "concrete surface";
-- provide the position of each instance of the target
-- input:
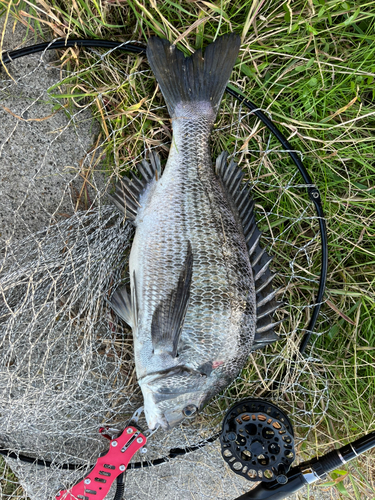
(39, 159)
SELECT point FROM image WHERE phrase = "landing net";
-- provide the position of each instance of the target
(66, 360)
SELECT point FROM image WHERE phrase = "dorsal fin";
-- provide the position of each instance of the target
(240, 195)
(128, 191)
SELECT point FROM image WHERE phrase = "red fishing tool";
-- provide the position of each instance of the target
(97, 483)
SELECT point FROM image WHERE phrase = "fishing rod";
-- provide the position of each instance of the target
(311, 471)
(257, 443)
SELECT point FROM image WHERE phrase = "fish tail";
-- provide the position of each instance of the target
(194, 79)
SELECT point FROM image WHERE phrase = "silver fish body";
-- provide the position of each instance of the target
(188, 204)
(192, 306)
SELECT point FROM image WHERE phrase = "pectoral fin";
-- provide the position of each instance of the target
(169, 315)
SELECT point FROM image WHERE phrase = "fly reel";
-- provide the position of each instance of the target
(257, 441)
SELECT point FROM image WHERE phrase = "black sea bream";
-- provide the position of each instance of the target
(200, 290)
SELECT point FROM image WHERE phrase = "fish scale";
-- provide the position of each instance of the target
(200, 216)
(193, 305)
(221, 244)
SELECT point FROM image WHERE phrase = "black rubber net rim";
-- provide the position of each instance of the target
(312, 191)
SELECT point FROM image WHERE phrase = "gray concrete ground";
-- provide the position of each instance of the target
(38, 162)
(39, 159)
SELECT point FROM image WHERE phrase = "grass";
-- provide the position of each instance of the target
(311, 64)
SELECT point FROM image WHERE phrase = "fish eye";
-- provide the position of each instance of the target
(189, 411)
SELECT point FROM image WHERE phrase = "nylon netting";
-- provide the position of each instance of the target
(66, 361)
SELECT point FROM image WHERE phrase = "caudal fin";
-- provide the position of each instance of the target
(195, 78)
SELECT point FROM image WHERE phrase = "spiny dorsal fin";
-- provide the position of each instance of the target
(169, 316)
(128, 191)
(240, 194)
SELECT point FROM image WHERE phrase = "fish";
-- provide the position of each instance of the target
(201, 295)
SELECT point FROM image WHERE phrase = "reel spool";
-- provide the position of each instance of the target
(257, 441)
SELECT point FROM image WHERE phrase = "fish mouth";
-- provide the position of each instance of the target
(167, 419)
(160, 409)
(155, 416)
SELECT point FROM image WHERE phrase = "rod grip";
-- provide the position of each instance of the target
(327, 463)
(337, 458)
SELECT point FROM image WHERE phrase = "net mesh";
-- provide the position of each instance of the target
(66, 361)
